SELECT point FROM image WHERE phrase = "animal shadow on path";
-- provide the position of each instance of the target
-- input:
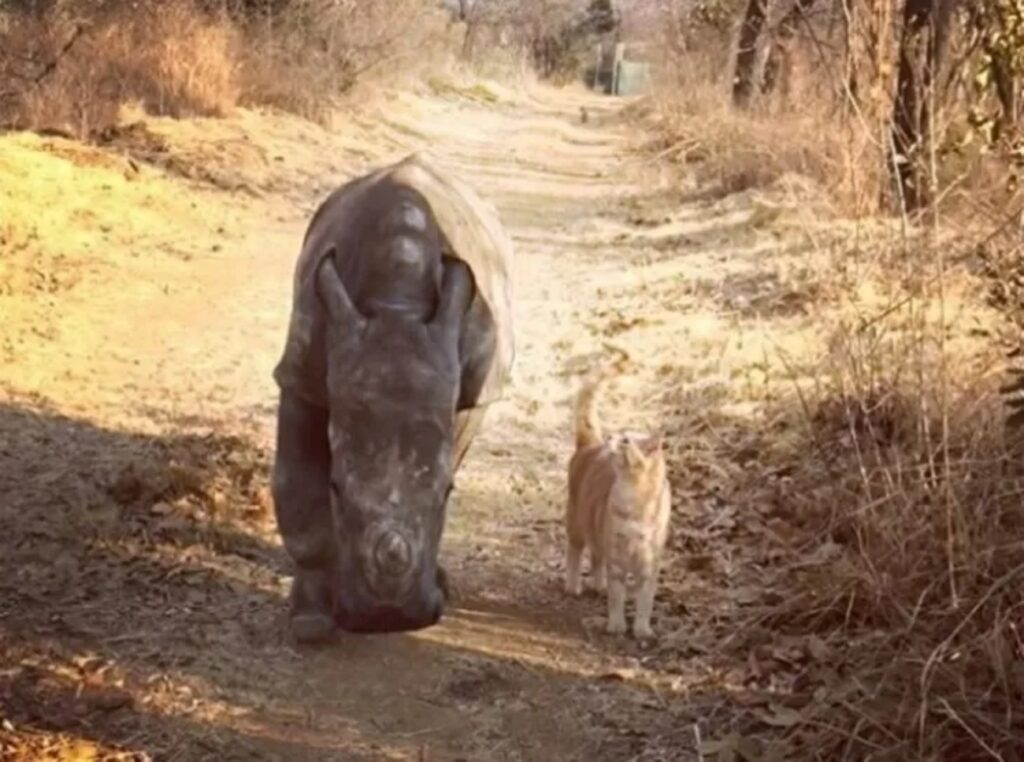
(142, 597)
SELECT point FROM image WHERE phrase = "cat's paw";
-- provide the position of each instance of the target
(574, 587)
(616, 626)
(642, 631)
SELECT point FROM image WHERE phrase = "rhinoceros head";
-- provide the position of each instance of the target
(393, 381)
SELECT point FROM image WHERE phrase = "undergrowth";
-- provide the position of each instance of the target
(906, 474)
(813, 127)
(880, 489)
(70, 69)
(886, 463)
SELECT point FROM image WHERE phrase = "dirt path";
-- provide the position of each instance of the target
(143, 585)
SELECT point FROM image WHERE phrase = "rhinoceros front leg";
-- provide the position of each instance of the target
(301, 490)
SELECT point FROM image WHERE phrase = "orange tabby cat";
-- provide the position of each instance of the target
(619, 505)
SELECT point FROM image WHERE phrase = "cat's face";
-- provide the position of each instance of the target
(640, 457)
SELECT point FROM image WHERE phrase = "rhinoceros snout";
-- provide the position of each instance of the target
(367, 614)
(392, 587)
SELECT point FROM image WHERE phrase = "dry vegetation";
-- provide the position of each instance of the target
(71, 66)
(856, 492)
(894, 487)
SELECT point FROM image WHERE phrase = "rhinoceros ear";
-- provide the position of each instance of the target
(334, 296)
(456, 294)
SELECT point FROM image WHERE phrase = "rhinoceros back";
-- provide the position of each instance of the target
(472, 233)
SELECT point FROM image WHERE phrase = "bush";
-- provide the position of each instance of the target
(71, 66)
(72, 74)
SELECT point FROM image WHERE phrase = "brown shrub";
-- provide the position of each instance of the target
(804, 133)
(297, 60)
(71, 70)
(174, 61)
(810, 123)
(904, 484)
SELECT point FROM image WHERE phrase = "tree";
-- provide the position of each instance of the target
(923, 44)
(782, 36)
(746, 53)
(1000, 27)
(601, 17)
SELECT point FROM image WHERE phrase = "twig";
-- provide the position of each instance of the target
(697, 743)
(681, 146)
(827, 66)
(850, 734)
(939, 251)
(934, 656)
(970, 731)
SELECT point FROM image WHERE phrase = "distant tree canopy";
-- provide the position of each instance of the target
(561, 49)
(557, 34)
(601, 17)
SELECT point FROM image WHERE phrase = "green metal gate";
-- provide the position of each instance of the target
(614, 74)
(631, 78)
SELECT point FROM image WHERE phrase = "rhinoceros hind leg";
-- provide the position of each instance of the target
(301, 489)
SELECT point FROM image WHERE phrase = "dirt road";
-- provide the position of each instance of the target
(142, 583)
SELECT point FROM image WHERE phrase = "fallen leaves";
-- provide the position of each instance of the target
(733, 748)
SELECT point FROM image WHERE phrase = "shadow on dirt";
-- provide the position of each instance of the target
(123, 553)
(143, 610)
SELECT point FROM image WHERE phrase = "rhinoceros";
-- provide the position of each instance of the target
(400, 338)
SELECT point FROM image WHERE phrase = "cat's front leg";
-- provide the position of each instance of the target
(598, 569)
(616, 606)
(573, 571)
(644, 607)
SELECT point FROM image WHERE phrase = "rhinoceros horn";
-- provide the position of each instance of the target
(334, 296)
(456, 294)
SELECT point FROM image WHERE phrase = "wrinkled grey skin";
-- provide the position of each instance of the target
(375, 420)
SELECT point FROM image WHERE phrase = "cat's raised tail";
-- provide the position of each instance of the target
(589, 430)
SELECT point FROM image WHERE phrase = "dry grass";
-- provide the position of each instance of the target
(876, 493)
(71, 73)
(879, 487)
(802, 133)
(905, 474)
(298, 59)
(173, 60)
(810, 126)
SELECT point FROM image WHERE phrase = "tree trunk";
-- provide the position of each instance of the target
(782, 37)
(923, 45)
(746, 54)
(1007, 89)
(676, 35)
(850, 53)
